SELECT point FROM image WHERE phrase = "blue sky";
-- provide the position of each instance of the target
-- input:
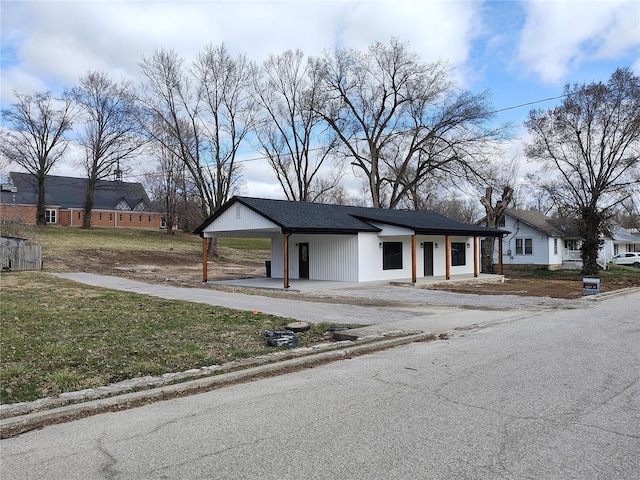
(521, 51)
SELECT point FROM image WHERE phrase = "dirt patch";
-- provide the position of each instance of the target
(533, 287)
(179, 268)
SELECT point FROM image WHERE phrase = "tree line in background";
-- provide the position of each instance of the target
(402, 126)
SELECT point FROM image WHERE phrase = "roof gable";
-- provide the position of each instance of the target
(241, 218)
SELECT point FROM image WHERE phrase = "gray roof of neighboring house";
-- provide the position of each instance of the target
(69, 192)
(555, 227)
(621, 235)
(304, 217)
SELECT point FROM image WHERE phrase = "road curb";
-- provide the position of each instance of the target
(15, 425)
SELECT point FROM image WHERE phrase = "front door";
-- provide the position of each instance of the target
(303, 260)
(428, 258)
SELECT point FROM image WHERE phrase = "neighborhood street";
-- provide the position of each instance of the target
(551, 395)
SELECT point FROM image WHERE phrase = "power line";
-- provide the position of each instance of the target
(530, 103)
(263, 157)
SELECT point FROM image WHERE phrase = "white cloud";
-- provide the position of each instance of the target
(58, 42)
(557, 36)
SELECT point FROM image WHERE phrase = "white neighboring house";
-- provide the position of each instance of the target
(622, 241)
(538, 240)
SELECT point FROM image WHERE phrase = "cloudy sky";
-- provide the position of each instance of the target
(522, 51)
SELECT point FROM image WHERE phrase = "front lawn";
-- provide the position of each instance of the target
(60, 336)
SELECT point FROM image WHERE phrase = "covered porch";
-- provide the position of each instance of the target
(283, 280)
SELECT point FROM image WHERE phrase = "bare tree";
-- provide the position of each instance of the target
(628, 215)
(292, 135)
(202, 115)
(170, 114)
(227, 115)
(166, 183)
(111, 132)
(589, 149)
(35, 139)
(401, 120)
(494, 214)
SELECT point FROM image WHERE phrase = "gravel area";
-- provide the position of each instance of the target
(392, 295)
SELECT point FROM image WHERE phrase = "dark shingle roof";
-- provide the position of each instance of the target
(69, 192)
(303, 217)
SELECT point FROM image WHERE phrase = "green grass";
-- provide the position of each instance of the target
(66, 248)
(61, 241)
(59, 336)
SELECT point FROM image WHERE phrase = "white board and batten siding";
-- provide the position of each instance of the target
(370, 258)
(240, 221)
(331, 257)
(370, 255)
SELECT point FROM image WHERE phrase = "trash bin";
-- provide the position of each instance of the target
(590, 286)
(267, 265)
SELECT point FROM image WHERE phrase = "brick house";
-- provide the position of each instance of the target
(116, 203)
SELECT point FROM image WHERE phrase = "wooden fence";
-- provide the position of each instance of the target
(21, 257)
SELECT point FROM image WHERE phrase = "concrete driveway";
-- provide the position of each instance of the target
(390, 307)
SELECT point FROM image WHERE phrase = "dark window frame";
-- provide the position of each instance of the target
(458, 254)
(392, 255)
(528, 246)
(524, 246)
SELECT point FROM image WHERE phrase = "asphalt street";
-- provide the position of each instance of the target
(554, 395)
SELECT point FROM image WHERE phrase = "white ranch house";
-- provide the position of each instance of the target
(350, 244)
(538, 240)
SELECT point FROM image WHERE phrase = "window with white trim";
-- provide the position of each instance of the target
(50, 216)
(524, 246)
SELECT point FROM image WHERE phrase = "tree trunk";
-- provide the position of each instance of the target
(88, 204)
(212, 247)
(590, 228)
(494, 214)
(41, 209)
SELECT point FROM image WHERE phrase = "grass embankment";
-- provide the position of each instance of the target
(59, 336)
(76, 248)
